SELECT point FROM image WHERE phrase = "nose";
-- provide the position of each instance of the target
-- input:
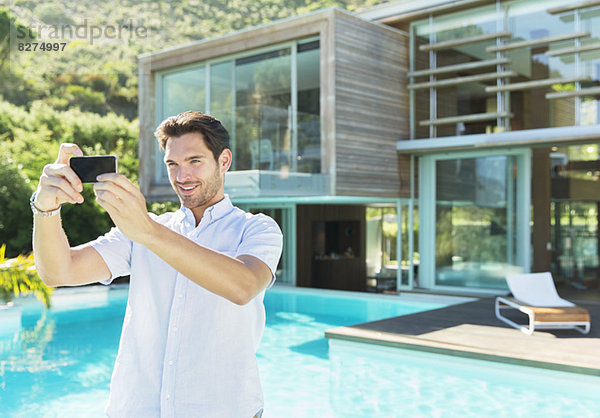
(183, 174)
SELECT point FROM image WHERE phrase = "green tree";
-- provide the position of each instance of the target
(15, 219)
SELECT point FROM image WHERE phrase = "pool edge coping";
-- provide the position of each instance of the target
(423, 345)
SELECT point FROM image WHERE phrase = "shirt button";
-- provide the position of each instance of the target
(180, 296)
(171, 363)
(168, 397)
(174, 328)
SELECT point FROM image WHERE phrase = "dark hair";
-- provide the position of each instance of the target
(215, 135)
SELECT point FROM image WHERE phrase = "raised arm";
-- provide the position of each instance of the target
(236, 279)
(56, 262)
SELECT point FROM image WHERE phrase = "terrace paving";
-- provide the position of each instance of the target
(472, 330)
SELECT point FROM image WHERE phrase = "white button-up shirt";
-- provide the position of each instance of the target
(184, 351)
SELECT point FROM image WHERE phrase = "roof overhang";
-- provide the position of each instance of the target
(408, 11)
(527, 138)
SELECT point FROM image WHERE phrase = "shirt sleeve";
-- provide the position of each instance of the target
(262, 239)
(115, 248)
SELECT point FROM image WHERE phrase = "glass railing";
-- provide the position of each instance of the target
(275, 153)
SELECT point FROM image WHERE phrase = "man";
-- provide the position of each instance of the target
(195, 312)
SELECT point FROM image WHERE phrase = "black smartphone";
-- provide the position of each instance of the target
(88, 168)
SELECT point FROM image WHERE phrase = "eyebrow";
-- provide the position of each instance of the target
(191, 157)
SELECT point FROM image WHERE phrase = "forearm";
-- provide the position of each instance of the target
(60, 265)
(51, 250)
(218, 273)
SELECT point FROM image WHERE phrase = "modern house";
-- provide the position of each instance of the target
(422, 144)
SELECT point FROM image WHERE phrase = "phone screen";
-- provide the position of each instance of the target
(88, 168)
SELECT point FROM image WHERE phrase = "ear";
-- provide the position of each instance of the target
(225, 160)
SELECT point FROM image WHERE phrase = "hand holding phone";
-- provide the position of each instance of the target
(88, 168)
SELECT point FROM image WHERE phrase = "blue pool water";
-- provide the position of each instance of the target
(58, 364)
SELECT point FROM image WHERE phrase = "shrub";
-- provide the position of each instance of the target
(15, 217)
(85, 98)
(19, 277)
(87, 221)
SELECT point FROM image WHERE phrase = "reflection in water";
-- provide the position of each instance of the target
(31, 346)
(48, 357)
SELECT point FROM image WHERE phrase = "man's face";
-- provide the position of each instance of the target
(193, 172)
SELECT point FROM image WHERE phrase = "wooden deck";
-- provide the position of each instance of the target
(472, 330)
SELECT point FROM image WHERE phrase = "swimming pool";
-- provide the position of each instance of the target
(59, 364)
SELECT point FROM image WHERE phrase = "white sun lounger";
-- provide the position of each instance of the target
(535, 295)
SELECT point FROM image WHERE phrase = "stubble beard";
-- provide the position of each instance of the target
(205, 193)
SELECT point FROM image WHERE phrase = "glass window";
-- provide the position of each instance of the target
(420, 35)
(270, 128)
(575, 172)
(475, 223)
(575, 239)
(184, 90)
(222, 98)
(576, 162)
(309, 121)
(531, 106)
(457, 99)
(589, 63)
(529, 20)
(222, 93)
(405, 255)
(263, 111)
(382, 254)
(181, 91)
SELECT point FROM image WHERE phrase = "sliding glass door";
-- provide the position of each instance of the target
(475, 225)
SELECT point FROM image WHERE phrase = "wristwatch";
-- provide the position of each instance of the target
(38, 212)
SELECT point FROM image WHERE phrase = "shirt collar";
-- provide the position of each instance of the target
(212, 213)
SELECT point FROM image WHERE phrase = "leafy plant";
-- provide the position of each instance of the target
(15, 220)
(19, 277)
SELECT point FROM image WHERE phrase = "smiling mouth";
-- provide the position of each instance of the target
(186, 189)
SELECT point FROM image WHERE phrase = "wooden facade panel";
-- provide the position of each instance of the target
(380, 189)
(375, 56)
(362, 31)
(367, 142)
(347, 72)
(369, 56)
(385, 158)
(348, 69)
(349, 101)
(359, 86)
(365, 165)
(356, 175)
(369, 111)
(371, 108)
(380, 186)
(383, 155)
(362, 117)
